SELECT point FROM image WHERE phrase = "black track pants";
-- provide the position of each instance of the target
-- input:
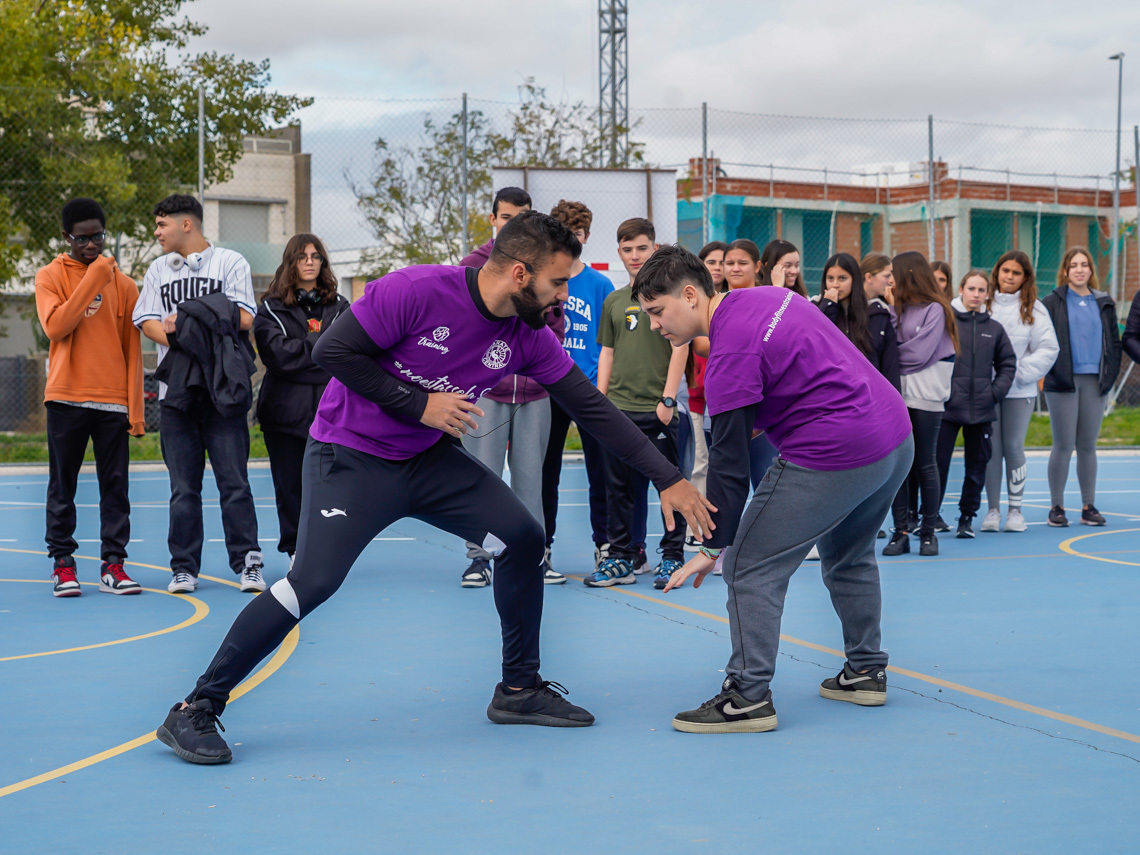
(348, 498)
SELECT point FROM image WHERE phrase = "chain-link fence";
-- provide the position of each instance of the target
(393, 182)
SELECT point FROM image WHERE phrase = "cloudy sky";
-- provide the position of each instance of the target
(1038, 62)
(1042, 64)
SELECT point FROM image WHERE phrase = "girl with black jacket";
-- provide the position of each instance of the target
(983, 373)
(868, 325)
(300, 304)
(1075, 388)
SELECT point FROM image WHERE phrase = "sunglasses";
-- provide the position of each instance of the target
(83, 240)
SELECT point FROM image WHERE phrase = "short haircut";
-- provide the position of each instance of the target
(573, 215)
(512, 196)
(178, 203)
(635, 227)
(668, 270)
(78, 210)
(532, 237)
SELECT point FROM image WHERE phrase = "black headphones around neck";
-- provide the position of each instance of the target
(306, 299)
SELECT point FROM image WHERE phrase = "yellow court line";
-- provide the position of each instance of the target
(200, 611)
(1076, 511)
(283, 652)
(915, 675)
(1067, 546)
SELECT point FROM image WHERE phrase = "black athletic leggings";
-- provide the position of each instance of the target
(925, 468)
(348, 498)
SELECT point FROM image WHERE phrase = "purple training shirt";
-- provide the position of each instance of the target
(821, 402)
(434, 335)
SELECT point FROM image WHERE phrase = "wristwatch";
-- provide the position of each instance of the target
(669, 402)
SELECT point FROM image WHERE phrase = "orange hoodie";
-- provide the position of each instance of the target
(95, 352)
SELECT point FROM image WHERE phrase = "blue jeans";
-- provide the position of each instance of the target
(186, 439)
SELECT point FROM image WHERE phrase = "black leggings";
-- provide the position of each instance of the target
(925, 469)
(348, 498)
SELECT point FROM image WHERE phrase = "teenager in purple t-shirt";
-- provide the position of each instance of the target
(408, 361)
(777, 364)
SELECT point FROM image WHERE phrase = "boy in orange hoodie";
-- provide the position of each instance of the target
(94, 391)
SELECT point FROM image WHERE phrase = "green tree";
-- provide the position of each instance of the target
(100, 98)
(413, 201)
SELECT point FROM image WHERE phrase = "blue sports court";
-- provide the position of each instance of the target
(1013, 720)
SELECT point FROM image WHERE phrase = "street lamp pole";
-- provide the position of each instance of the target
(1115, 243)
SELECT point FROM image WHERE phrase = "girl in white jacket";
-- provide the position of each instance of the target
(1013, 303)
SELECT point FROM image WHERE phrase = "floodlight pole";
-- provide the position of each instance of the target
(1115, 242)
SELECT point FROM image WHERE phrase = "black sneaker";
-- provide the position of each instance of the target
(927, 543)
(728, 712)
(1091, 516)
(866, 690)
(478, 575)
(898, 545)
(965, 529)
(912, 523)
(1057, 517)
(540, 705)
(939, 524)
(193, 733)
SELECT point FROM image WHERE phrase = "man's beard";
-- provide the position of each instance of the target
(529, 308)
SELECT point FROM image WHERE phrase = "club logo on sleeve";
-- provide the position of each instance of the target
(497, 355)
(94, 307)
(441, 333)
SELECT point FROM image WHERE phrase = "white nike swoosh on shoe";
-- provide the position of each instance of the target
(843, 681)
(730, 709)
(335, 512)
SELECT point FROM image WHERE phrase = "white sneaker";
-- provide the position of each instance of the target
(1014, 521)
(183, 583)
(814, 554)
(550, 576)
(251, 580)
(992, 522)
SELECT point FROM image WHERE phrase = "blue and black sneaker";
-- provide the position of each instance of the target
(665, 569)
(612, 571)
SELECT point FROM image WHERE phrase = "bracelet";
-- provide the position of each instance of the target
(710, 552)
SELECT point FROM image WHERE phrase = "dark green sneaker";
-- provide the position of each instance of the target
(866, 690)
(728, 712)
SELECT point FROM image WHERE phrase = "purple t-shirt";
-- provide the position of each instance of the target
(434, 335)
(821, 402)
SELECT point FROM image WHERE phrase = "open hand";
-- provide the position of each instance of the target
(451, 413)
(687, 500)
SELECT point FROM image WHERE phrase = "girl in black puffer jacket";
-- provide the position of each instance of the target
(300, 304)
(983, 373)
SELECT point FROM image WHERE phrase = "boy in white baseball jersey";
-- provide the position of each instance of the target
(190, 424)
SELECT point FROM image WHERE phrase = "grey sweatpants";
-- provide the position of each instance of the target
(1075, 419)
(526, 434)
(1008, 438)
(792, 508)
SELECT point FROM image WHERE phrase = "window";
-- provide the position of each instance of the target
(243, 222)
(1050, 249)
(991, 235)
(815, 249)
(865, 240)
(756, 224)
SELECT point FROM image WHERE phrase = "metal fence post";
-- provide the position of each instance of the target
(930, 153)
(201, 144)
(704, 173)
(463, 181)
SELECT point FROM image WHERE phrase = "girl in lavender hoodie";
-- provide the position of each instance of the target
(928, 343)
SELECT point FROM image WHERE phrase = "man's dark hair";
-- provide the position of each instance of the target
(668, 270)
(78, 210)
(532, 237)
(636, 227)
(179, 203)
(512, 196)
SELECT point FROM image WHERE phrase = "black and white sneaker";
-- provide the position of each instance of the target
(478, 575)
(601, 553)
(728, 712)
(193, 733)
(940, 524)
(541, 705)
(183, 583)
(252, 582)
(692, 544)
(1057, 517)
(867, 689)
(550, 576)
(965, 527)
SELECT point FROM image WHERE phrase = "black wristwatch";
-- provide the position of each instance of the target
(669, 402)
